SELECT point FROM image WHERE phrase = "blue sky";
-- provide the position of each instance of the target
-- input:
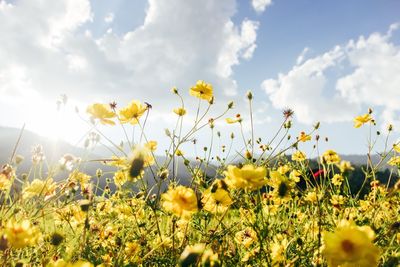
(327, 60)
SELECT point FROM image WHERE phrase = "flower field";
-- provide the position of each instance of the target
(273, 206)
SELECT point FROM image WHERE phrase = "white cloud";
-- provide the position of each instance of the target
(373, 80)
(260, 5)
(301, 57)
(175, 46)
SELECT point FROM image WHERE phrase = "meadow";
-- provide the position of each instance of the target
(272, 207)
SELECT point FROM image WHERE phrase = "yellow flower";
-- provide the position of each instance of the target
(120, 177)
(303, 137)
(278, 249)
(79, 177)
(337, 179)
(180, 200)
(299, 156)
(62, 263)
(345, 166)
(337, 200)
(39, 188)
(394, 161)
(198, 255)
(295, 176)
(179, 152)
(102, 112)
(180, 111)
(202, 90)
(396, 147)
(246, 237)
(231, 121)
(350, 245)
(246, 177)
(21, 234)
(151, 145)
(5, 183)
(330, 157)
(283, 169)
(281, 184)
(216, 199)
(132, 112)
(360, 120)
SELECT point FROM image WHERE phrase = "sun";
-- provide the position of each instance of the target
(60, 124)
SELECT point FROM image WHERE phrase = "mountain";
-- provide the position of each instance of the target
(91, 159)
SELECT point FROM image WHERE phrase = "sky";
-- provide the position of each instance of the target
(329, 61)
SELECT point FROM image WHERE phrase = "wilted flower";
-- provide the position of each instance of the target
(37, 154)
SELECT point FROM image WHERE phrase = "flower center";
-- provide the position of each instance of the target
(347, 246)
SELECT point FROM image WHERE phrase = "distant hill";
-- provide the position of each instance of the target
(54, 150)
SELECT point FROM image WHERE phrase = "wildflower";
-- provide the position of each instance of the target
(216, 199)
(198, 254)
(179, 152)
(311, 197)
(295, 176)
(345, 166)
(63, 263)
(180, 111)
(396, 147)
(288, 113)
(337, 201)
(78, 177)
(202, 90)
(246, 177)
(102, 112)
(283, 169)
(281, 184)
(299, 156)
(132, 250)
(360, 120)
(67, 162)
(120, 177)
(237, 119)
(132, 112)
(278, 249)
(337, 179)
(37, 154)
(180, 200)
(394, 161)
(39, 188)
(350, 245)
(5, 182)
(21, 234)
(246, 237)
(303, 137)
(142, 157)
(330, 157)
(151, 145)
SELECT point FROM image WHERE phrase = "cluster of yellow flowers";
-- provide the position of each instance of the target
(271, 209)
